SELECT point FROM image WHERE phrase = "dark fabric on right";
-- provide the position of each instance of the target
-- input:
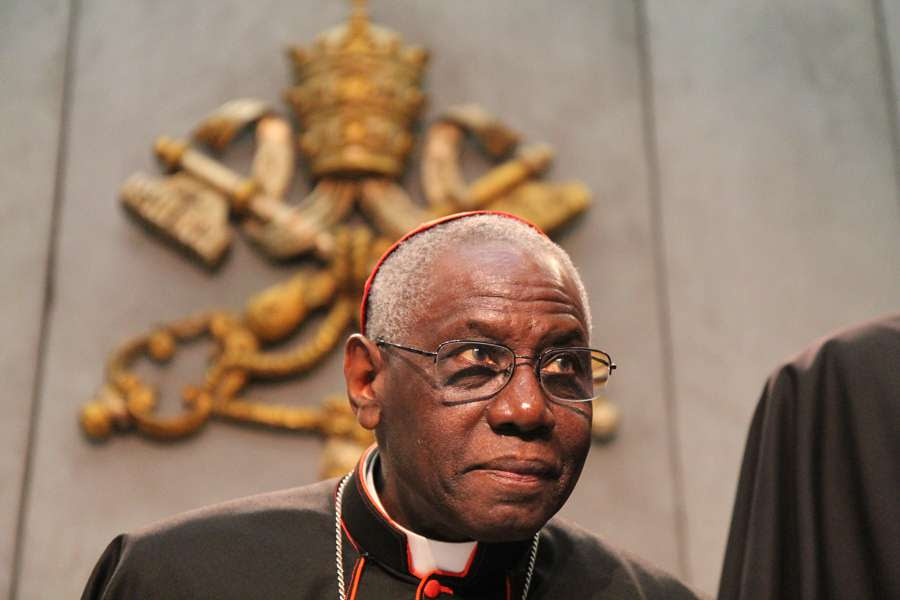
(817, 512)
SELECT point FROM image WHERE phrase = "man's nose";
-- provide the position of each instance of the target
(522, 407)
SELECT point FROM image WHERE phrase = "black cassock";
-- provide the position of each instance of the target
(282, 545)
(817, 512)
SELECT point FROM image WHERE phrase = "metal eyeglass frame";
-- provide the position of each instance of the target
(535, 359)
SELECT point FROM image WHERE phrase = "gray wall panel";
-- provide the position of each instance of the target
(32, 60)
(143, 68)
(889, 13)
(779, 207)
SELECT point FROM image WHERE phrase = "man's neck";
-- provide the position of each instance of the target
(426, 554)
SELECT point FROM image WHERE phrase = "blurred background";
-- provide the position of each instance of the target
(743, 161)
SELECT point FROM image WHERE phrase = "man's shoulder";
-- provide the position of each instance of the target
(587, 555)
(277, 509)
(221, 550)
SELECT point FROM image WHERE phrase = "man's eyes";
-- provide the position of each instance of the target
(561, 364)
(478, 355)
(475, 355)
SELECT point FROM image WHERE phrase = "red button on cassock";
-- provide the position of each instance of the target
(432, 589)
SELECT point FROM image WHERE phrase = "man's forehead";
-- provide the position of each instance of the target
(497, 276)
(482, 265)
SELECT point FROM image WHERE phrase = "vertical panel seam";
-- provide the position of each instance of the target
(654, 191)
(49, 274)
(890, 90)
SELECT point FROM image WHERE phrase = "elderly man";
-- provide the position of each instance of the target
(475, 373)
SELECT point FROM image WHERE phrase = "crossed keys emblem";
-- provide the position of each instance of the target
(355, 100)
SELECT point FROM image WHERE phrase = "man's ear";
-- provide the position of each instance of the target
(363, 365)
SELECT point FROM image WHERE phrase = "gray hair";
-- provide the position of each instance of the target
(400, 286)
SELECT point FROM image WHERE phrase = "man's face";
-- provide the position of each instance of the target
(495, 469)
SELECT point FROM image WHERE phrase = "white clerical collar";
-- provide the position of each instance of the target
(426, 555)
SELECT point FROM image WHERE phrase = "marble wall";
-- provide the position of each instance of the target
(744, 162)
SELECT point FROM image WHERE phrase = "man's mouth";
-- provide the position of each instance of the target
(518, 472)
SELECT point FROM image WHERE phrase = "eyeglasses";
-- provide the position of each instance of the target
(468, 370)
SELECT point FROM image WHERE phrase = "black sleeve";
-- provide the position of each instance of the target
(98, 583)
(655, 584)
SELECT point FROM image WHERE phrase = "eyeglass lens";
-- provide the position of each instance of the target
(475, 370)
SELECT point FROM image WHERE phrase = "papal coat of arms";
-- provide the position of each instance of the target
(356, 98)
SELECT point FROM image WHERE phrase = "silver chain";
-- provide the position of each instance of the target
(339, 545)
(339, 536)
(531, 561)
